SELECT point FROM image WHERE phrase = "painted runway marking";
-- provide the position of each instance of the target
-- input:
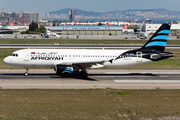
(119, 76)
(163, 76)
(143, 73)
(148, 81)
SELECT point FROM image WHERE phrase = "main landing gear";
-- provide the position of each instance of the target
(84, 73)
(26, 73)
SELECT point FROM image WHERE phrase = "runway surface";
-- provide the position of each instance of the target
(117, 79)
(77, 46)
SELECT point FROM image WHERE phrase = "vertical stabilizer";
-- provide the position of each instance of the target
(159, 39)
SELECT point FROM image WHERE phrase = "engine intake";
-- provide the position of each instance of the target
(65, 69)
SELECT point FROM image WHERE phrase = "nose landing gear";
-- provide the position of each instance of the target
(26, 73)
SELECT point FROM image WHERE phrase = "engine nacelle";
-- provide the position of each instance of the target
(65, 69)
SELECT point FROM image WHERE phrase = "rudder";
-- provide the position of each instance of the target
(159, 39)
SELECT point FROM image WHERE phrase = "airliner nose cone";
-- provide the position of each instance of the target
(6, 60)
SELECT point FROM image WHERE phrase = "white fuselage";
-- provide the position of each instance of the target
(16, 27)
(52, 57)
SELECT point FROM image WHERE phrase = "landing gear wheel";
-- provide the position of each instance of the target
(84, 74)
(26, 74)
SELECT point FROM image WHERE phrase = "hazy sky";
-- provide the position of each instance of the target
(88, 5)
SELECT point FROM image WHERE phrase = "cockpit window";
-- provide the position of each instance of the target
(15, 55)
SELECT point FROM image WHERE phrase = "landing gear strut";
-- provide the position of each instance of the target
(84, 73)
(26, 73)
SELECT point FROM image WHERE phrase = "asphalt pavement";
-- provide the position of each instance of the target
(116, 79)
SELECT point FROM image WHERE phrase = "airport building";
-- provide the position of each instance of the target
(29, 17)
(151, 28)
(87, 30)
(8, 17)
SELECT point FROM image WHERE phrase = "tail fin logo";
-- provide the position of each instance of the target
(159, 39)
(25, 24)
(12, 24)
(51, 25)
(125, 26)
(38, 24)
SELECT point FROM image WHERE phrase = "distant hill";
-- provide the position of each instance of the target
(92, 13)
(123, 15)
(145, 10)
(79, 12)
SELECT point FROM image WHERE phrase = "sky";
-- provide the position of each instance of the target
(87, 5)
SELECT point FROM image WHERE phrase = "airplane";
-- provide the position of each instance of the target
(89, 23)
(65, 24)
(68, 23)
(125, 30)
(52, 34)
(51, 24)
(38, 24)
(24, 27)
(12, 27)
(72, 60)
(95, 23)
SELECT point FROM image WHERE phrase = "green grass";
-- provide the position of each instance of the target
(89, 104)
(70, 41)
(170, 63)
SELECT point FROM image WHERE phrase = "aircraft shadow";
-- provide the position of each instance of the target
(130, 74)
(42, 76)
(76, 75)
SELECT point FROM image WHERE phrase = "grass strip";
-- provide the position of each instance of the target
(100, 104)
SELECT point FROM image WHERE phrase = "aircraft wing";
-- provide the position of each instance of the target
(90, 64)
(81, 64)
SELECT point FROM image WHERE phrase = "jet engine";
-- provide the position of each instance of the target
(65, 69)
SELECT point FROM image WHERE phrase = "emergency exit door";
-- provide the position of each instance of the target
(26, 55)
